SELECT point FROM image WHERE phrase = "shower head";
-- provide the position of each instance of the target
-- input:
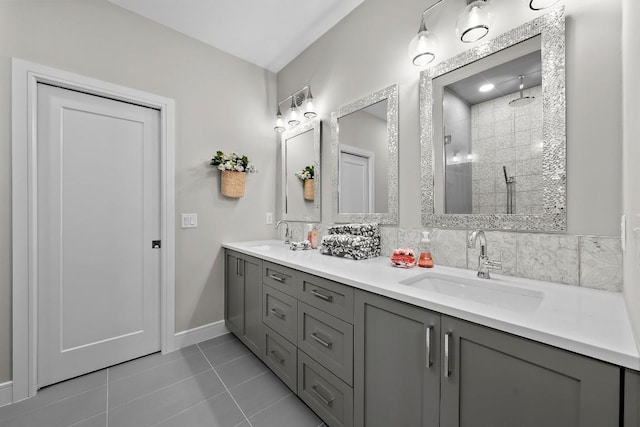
(522, 100)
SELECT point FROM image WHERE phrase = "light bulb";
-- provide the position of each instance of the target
(423, 47)
(474, 21)
(310, 112)
(279, 122)
(293, 114)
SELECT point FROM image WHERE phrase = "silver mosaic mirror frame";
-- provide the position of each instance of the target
(314, 125)
(551, 28)
(391, 216)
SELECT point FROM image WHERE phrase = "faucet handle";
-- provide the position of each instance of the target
(494, 264)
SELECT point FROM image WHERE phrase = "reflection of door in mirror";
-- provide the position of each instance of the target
(357, 185)
(492, 139)
(299, 153)
(364, 131)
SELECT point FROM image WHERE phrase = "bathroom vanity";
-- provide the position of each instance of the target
(366, 344)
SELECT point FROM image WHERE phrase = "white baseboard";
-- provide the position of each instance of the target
(199, 334)
(6, 393)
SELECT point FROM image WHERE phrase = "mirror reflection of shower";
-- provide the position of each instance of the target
(510, 181)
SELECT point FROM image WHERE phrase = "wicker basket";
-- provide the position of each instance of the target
(309, 189)
(232, 183)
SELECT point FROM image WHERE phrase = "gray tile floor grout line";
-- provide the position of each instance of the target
(225, 387)
(189, 408)
(50, 403)
(229, 361)
(142, 371)
(252, 378)
(86, 419)
(159, 389)
(274, 403)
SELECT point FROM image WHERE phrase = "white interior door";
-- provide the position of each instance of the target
(354, 183)
(98, 210)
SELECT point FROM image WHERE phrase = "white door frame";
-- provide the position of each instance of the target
(25, 78)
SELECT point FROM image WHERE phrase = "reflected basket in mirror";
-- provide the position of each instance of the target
(309, 189)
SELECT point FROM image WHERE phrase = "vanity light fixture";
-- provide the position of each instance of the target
(424, 46)
(455, 157)
(540, 4)
(293, 113)
(309, 110)
(486, 87)
(474, 21)
(297, 98)
(279, 122)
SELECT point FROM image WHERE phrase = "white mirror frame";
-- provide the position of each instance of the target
(391, 216)
(551, 28)
(315, 126)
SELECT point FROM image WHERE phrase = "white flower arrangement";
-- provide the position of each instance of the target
(306, 173)
(232, 162)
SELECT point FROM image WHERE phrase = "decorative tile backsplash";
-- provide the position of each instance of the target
(588, 261)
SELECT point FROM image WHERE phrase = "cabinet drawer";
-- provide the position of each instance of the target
(281, 356)
(280, 312)
(327, 295)
(325, 393)
(327, 339)
(279, 277)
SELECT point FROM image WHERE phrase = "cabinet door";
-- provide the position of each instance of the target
(396, 363)
(252, 276)
(234, 294)
(631, 398)
(243, 298)
(495, 379)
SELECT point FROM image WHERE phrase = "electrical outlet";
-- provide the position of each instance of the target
(269, 218)
(190, 220)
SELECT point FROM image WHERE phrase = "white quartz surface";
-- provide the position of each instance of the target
(586, 321)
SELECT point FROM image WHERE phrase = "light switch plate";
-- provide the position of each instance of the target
(190, 220)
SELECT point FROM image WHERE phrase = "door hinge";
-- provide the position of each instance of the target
(155, 244)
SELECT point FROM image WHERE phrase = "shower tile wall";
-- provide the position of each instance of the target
(507, 136)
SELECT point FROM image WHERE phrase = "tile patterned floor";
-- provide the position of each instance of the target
(217, 383)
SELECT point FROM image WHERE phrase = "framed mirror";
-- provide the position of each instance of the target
(300, 193)
(364, 149)
(493, 133)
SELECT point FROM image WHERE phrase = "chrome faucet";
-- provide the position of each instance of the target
(287, 234)
(484, 263)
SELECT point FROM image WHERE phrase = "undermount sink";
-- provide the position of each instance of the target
(261, 247)
(494, 292)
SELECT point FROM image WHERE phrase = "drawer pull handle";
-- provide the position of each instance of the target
(277, 278)
(322, 296)
(278, 314)
(321, 341)
(277, 356)
(326, 401)
(447, 369)
(428, 345)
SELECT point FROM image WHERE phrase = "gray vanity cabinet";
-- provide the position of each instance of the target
(396, 363)
(631, 398)
(491, 378)
(243, 298)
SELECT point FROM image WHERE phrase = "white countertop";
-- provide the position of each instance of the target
(585, 321)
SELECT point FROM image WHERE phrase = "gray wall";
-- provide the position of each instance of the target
(367, 51)
(216, 95)
(631, 125)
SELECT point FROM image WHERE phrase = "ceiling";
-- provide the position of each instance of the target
(504, 77)
(266, 33)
